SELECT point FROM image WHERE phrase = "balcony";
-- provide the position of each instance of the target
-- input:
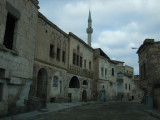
(79, 71)
(129, 74)
(120, 76)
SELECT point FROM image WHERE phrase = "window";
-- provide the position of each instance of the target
(105, 73)
(58, 54)
(129, 87)
(84, 63)
(60, 86)
(74, 58)
(77, 60)
(63, 56)
(51, 52)
(81, 61)
(55, 81)
(1, 91)
(112, 71)
(90, 65)
(102, 71)
(2, 73)
(9, 32)
(126, 86)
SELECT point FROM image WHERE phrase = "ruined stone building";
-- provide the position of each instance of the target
(137, 90)
(149, 67)
(41, 63)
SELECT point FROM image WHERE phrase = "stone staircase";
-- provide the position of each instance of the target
(62, 100)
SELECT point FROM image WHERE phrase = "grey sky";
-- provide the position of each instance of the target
(118, 25)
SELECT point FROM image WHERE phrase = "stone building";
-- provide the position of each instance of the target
(18, 22)
(80, 69)
(149, 67)
(105, 75)
(124, 81)
(50, 61)
(137, 91)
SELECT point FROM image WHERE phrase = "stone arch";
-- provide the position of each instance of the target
(74, 82)
(41, 92)
(85, 82)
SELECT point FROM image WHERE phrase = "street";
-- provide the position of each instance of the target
(103, 111)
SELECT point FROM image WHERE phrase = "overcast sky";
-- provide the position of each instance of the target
(117, 25)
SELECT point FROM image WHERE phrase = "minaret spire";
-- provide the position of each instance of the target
(89, 29)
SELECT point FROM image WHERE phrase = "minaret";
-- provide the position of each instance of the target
(89, 29)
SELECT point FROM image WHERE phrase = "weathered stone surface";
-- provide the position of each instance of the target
(150, 68)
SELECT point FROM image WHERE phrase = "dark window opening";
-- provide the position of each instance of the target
(1, 91)
(105, 73)
(9, 32)
(112, 71)
(2, 73)
(63, 56)
(77, 60)
(60, 86)
(129, 87)
(51, 52)
(85, 82)
(74, 83)
(84, 63)
(81, 61)
(58, 54)
(74, 58)
(102, 71)
(90, 65)
(126, 86)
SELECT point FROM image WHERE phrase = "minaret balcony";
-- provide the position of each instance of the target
(89, 30)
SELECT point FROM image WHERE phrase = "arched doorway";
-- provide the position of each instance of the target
(42, 87)
(84, 96)
(74, 83)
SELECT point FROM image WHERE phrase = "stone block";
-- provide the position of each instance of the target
(15, 80)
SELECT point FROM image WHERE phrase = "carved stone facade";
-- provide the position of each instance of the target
(51, 56)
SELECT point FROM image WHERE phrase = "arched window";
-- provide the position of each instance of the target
(74, 83)
(85, 82)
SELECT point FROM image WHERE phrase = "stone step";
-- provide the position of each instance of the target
(62, 100)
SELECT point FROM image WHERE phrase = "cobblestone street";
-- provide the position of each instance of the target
(103, 111)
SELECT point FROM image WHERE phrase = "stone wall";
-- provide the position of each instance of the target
(16, 61)
(48, 34)
(77, 92)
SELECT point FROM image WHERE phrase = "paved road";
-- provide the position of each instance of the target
(105, 111)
